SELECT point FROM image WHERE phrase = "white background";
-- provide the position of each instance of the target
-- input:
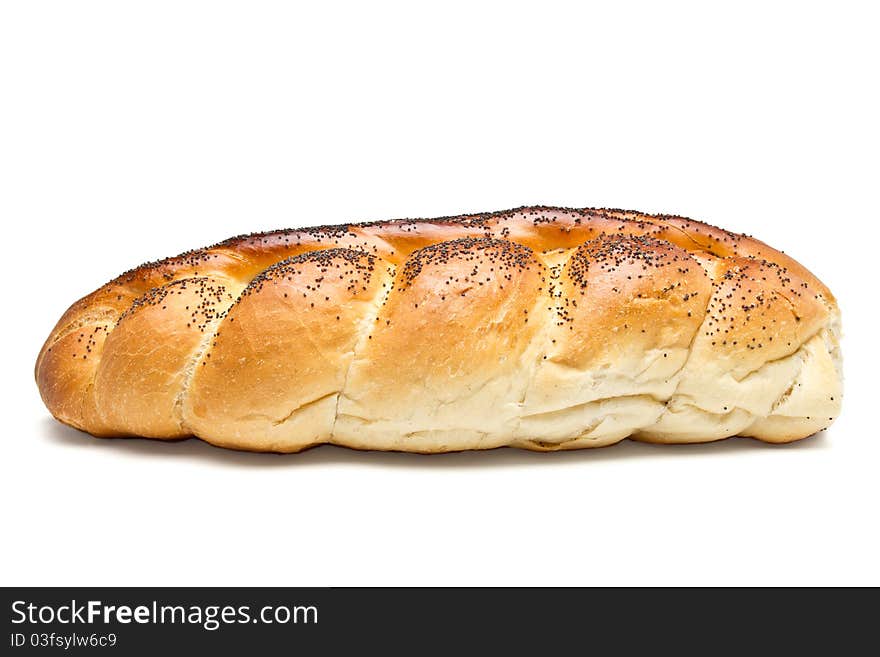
(132, 131)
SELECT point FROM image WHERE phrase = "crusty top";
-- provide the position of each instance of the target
(749, 303)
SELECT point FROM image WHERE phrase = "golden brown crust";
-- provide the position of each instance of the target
(546, 328)
(289, 340)
(459, 311)
(145, 368)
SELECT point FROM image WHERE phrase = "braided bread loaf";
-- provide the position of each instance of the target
(539, 327)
